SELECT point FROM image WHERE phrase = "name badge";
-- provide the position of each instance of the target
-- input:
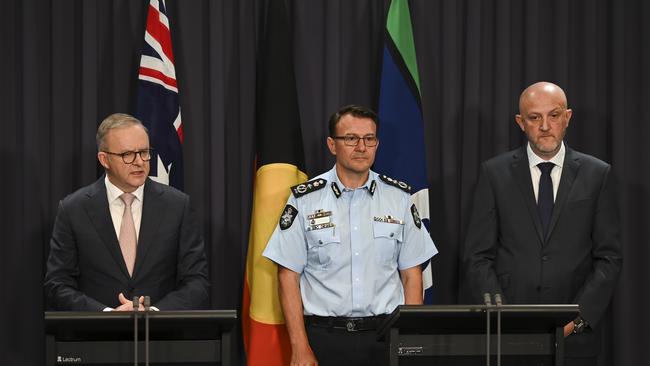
(389, 220)
(320, 226)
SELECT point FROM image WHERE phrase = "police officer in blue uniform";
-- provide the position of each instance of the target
(349, 246)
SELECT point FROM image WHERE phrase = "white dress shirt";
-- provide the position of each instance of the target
(536, 173)
(116, 206)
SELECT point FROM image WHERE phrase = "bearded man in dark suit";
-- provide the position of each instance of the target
(125, 235)
(545, 224)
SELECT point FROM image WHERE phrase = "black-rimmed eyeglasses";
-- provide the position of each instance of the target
(353, 140)
(128, 157)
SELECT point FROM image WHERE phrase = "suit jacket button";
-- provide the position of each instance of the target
(545, 258)
(539, 288)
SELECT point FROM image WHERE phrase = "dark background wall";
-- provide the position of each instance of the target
(66, 64)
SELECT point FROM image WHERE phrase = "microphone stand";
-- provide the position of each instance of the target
(497, 300)
(136, 305)
(488, 304)
(147, 308)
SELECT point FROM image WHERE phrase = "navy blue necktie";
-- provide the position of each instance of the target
(545, 195)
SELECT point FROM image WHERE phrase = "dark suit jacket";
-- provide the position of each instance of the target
(579, 260)
(86, 270)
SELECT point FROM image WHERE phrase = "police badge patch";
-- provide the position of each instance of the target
(416, 216)
(288, 215)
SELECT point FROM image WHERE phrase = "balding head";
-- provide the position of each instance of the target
(542, 89)
(544, 117)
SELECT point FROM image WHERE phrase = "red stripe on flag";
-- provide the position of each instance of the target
(158, 75)
(179, 131)
(159, 32)
(270, 341)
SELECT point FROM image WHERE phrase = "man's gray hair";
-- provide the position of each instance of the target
(115, 120)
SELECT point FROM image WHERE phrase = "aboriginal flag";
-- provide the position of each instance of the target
(280, 165)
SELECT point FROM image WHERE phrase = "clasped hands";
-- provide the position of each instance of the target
(127, 305)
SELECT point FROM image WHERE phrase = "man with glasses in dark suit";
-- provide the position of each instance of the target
(125, 235)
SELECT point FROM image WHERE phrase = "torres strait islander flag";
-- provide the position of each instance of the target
(280, 165)
(158, 106)
(401, 130)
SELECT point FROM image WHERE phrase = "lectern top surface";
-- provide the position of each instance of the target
(472, 318)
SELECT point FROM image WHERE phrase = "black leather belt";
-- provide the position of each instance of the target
(349, 324)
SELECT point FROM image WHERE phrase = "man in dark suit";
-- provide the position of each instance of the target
(545, 224)
(125, 235)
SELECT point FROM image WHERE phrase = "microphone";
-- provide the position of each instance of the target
(136, 305)
(499, 303)
(487, 299)
(147, 306)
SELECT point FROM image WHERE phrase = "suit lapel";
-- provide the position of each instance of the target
(152, 212)
(100, 216)
(521, 172)
(569, 173)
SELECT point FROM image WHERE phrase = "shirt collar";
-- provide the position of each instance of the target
(113, 193)
(533, 159)
(368, 185)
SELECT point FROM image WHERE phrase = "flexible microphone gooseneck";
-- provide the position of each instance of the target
(136, 305)
(487, 299)
(498, 301)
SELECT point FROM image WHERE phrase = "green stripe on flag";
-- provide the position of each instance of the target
(398, 25)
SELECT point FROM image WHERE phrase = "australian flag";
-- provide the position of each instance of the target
(401, 130)
(158, 107)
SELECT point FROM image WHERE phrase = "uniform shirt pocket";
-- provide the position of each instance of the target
(322, 246)
(387, 236)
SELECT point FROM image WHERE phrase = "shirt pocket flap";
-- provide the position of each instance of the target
(318, 238)
(387, 230)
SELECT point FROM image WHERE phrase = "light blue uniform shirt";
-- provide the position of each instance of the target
(348, 245)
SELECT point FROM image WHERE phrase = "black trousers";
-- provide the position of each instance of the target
(339, 347)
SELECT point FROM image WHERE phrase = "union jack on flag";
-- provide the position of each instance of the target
(158, 106)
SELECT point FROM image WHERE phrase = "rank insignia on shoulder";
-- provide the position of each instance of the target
(288, 215)
(416, 216)
(308, 187)
(395, 183)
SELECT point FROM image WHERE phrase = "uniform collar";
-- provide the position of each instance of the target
(338, 188)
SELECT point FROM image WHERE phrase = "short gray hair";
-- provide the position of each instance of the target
(115, 120)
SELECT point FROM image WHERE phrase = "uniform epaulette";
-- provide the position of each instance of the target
(395, 183)
(308, 187)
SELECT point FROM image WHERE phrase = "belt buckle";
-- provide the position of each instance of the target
(350, 325)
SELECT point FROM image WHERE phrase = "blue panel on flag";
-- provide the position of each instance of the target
(156, 103)
(401, 130)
